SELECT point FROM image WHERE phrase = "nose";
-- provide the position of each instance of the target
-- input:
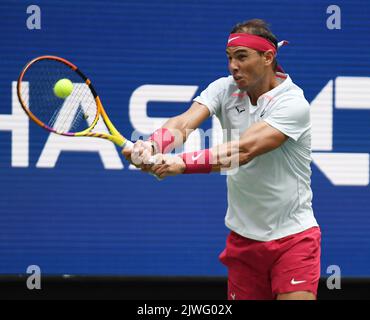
(233, 66)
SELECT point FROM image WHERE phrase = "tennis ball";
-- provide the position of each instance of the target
(63, 88)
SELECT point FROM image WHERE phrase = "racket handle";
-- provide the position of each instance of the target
(127, 145)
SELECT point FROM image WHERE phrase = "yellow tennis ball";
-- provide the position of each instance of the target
(63, 88)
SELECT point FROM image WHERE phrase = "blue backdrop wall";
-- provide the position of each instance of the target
(86, 214)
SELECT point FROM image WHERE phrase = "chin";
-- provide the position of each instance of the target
(242, 86)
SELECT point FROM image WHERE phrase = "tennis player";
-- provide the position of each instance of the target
(273, 249)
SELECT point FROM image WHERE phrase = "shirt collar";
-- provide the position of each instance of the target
(284, 82)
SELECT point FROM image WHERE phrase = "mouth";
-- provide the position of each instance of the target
(237, 78)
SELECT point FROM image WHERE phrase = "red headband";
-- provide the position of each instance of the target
(252, 41)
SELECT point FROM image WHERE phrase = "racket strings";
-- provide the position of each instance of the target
(69, 118)
(82, 94)
(74, 113)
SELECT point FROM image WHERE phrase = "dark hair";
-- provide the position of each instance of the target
(260, 28)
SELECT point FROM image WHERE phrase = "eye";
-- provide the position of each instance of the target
(242, 57)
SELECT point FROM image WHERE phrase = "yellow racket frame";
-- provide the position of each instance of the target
(115, 136)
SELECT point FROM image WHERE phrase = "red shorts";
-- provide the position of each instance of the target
(260, 270)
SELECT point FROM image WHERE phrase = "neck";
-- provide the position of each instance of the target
(265, 84)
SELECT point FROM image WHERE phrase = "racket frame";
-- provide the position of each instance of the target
(115, 135)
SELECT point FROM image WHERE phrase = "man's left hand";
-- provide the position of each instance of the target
(167, 165)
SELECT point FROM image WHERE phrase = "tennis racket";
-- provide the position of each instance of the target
(75, 115)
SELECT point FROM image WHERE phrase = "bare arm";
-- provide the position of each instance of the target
(182, 125)
(256, 140)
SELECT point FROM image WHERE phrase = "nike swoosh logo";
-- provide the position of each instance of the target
(232, 39)
(239, 109)
(196, 157)
(293, 282)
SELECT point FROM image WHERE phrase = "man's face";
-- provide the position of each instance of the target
(246, 66)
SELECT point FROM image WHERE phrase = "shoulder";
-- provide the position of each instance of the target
(213, 96)
(223, 84)
(219, 89)
(293, 101)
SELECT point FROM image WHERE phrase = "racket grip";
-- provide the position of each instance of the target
(127, 145)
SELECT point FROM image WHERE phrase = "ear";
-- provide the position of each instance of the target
(269, 57)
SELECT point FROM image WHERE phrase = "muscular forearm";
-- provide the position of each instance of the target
(184, 124)
(257, 140)
(179, 128)
(171, 135)
(230, 155)
(223, 157)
